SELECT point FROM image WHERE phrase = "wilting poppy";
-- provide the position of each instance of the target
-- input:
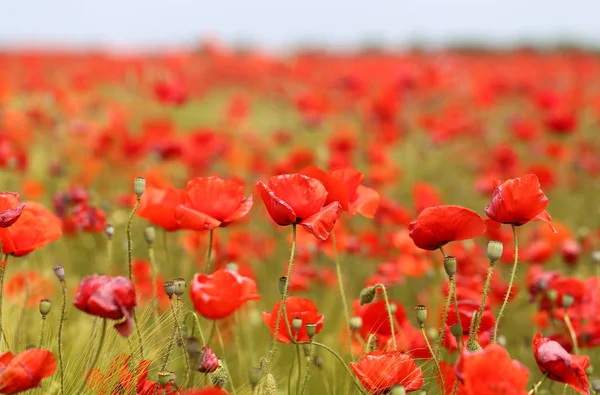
(518, 201)
(345, 186)
(299, 199)
(25, 370)
(211, 202)
(380, 371)
(108, 297)
(439, 225)
(222, 293)
(157, 205)
(559, 365)
(208, 361)
(296, 307)
(36, 227)
(10, 208)
(491, 371)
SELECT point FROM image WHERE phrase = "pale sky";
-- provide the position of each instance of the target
(280, 24)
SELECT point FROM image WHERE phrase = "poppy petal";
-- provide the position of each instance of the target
(190, 219)
(241, 211)
(366, 203)
(280, 211)
(322, 223)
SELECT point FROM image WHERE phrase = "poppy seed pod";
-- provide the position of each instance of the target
(150, 234)
(567, 301)
(456, 330)
(59, 270)
(450, 266)
(180, 286)
(282, 284)
(367, 295)
(45, 306)
(398, 390)
(297, 324)
(494, 251)
(169, 287)
(139, 186)
(355, 323)
(109, 231)
(311, 330)
(590, 370)
(254, 376)
(421, 314)
(596, 385)
(164, 377)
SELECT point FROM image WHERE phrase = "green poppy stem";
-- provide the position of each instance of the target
(63, 314)
(390, 315)
(208, 266)
(486, 290)
(435, 360)
(342, 293)
(510, 284)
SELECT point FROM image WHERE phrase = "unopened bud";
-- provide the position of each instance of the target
(421, 314)
(450, 266)
(297, 324)
(567, 300)
(433, 334)
(169, 287)
(552, 295)
(311, 330)
(367, 295)
(456, 330)
(109, 231)
(254, 376)
(45, 306)
(398, 390)
(139, 186)
(150, 234)
(180, 286)
(355, 323)
(590, 370)
(282, 284)
(494, 251)
(59, 270)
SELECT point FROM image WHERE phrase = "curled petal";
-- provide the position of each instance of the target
(322, 223)
(241, 211)
(280, 211)
(190, 219)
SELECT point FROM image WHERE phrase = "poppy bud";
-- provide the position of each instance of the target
(590, 370)
(456, 330)
(552, 295)
(179, 286)
(208, 360)
(169, 287)
(398, 390)
(282, 284)
(297, 324)
(421, 315)
(596, 385)
(232, 266)
(494, 251)
(450, 266)
(139, 186)
(219, 377)
(311, 329)
(567, 301)
(254, 376)
(150, 234)
(109, 231)
(165, 377)
(371, 343)
(45, 306)
(432, 333)
(191, 345)
(502, 340)
(59, 270)
(367, 295)
(355, 323)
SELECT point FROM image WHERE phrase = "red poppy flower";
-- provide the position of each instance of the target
(375, 319)
(31, 284)
(10, 208)
(344, 186)
(299, 199)
(208, 361)
(206, 391)
(25, 370)
(212, 202)
(466, 309)
(439, 225)
(380, 371)
(36, 227)
(222, 293)
(296, 307)
(518, 201)
(157, 205)
(425, 195)
(171, 92)
(450, 379)
(491, 372)
(559, 365)
(108, 297)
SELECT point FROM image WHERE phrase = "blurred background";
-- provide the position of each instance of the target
(279, 25)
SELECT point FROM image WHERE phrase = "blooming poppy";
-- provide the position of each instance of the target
(299, 199)
(30, 284)
(206, 391)
(491, 372)
(436, 226)
(171, 92)
(25, 370)
(518, 201)
(375, 319)
(36, 227)
(345, 186)
(559, 365)
(380, 371)
(108, 297)
(296, 307)
(212, 202)
(157, 205)
(10, 208)
(222, 293)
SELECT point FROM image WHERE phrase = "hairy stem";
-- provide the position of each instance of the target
(510, 283)
(486, 290)
(208, 266)
(63, 313)
(342, 293)
(390, 316)
(435, 360)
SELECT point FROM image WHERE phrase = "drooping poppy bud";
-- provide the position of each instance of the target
(208, 360)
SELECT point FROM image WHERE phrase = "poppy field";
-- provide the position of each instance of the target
(215, 221)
